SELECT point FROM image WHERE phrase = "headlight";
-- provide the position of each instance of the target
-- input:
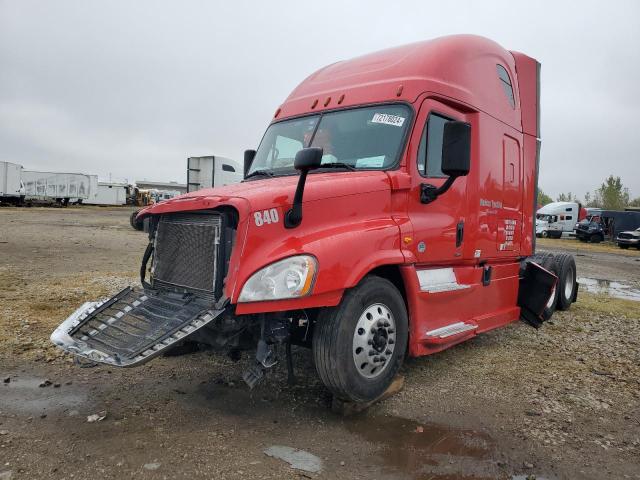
(289, 278)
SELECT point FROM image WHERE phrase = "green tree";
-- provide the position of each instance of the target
(635, 202)
(612, 195)
(543, 198)
(567, 197)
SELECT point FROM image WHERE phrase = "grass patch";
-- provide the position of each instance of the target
(586, 247)
(606, 305)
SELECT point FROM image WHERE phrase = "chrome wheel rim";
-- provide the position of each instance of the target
(568, 286)
(374, 340)
(552, 298)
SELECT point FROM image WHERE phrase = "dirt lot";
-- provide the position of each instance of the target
(559, 402)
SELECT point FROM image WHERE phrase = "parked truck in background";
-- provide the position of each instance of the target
(557, 218)
(11, 186)
(202, 172)
(389, 210)
(212, 171)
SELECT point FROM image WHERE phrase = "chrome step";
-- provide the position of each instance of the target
(450, 330)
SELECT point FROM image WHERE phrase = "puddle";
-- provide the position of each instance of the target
(608, 287)
(429, 451)
(24, 395)
(408, 449)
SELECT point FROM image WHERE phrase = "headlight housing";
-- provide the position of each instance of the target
(292, 277)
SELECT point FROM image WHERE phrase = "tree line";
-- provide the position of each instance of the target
(611, 195)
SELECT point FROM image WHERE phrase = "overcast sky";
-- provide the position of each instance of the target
(132, 88)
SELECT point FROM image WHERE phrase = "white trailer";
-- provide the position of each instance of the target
(11, 187)
(110, 193)
(557, 218)
(60, 187)
(212, 171)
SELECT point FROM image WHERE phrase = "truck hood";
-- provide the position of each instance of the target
(278, 191)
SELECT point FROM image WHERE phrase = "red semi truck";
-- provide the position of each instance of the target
(389, 210)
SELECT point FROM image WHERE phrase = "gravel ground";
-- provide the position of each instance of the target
(559, 402)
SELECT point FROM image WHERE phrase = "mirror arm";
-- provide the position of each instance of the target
(428, 192)
(293, 217)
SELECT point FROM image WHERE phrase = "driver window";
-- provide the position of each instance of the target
(430, 149)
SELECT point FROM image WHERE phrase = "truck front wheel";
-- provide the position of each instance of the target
(359, 346)
(596, 238)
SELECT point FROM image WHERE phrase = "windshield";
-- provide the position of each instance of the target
(361, 138)
(547, 218)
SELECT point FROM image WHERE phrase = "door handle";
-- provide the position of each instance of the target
(459, 233)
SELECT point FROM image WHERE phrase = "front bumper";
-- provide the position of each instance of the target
(132, 327)
(628, 241)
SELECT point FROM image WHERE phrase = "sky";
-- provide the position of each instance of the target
(129, 90)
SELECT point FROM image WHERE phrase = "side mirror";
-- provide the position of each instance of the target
(306, 159)
(456, 149)
(249, 155)
(456, 158)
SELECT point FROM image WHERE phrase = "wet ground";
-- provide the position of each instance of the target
(610, 288)
(559, 402)
(218, 429)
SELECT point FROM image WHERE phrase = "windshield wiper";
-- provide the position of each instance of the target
(338, 165)
(264, 173)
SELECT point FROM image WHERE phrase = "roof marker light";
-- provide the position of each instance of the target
(341, 99)
(326, 102)
(399, 91)
(315, 102)
(277, 112)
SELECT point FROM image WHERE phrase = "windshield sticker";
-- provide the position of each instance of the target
(371, 162)
(387, 119)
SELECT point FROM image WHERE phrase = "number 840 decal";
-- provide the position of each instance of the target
(266, 216)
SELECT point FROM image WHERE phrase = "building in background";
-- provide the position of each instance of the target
(110, 193)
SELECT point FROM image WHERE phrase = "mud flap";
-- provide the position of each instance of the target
(133, 326)
(536, 287)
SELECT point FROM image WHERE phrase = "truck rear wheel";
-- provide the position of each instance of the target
(547, 261)
(566, 271)
(359, 346)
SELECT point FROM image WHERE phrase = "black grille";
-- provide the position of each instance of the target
(186, 251)
(626, 235)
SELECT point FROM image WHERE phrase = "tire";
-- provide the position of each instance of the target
(341, 334)
(567, 283)
(596, 238)
(557, 235)
(544, 234)
(623, 246)
(136, 224)
(547, 261)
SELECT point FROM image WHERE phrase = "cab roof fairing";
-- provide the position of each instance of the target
(460, 67)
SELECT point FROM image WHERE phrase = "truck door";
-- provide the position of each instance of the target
(439, 226)
(510, 211)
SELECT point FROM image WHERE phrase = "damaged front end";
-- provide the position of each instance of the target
(188, 255)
